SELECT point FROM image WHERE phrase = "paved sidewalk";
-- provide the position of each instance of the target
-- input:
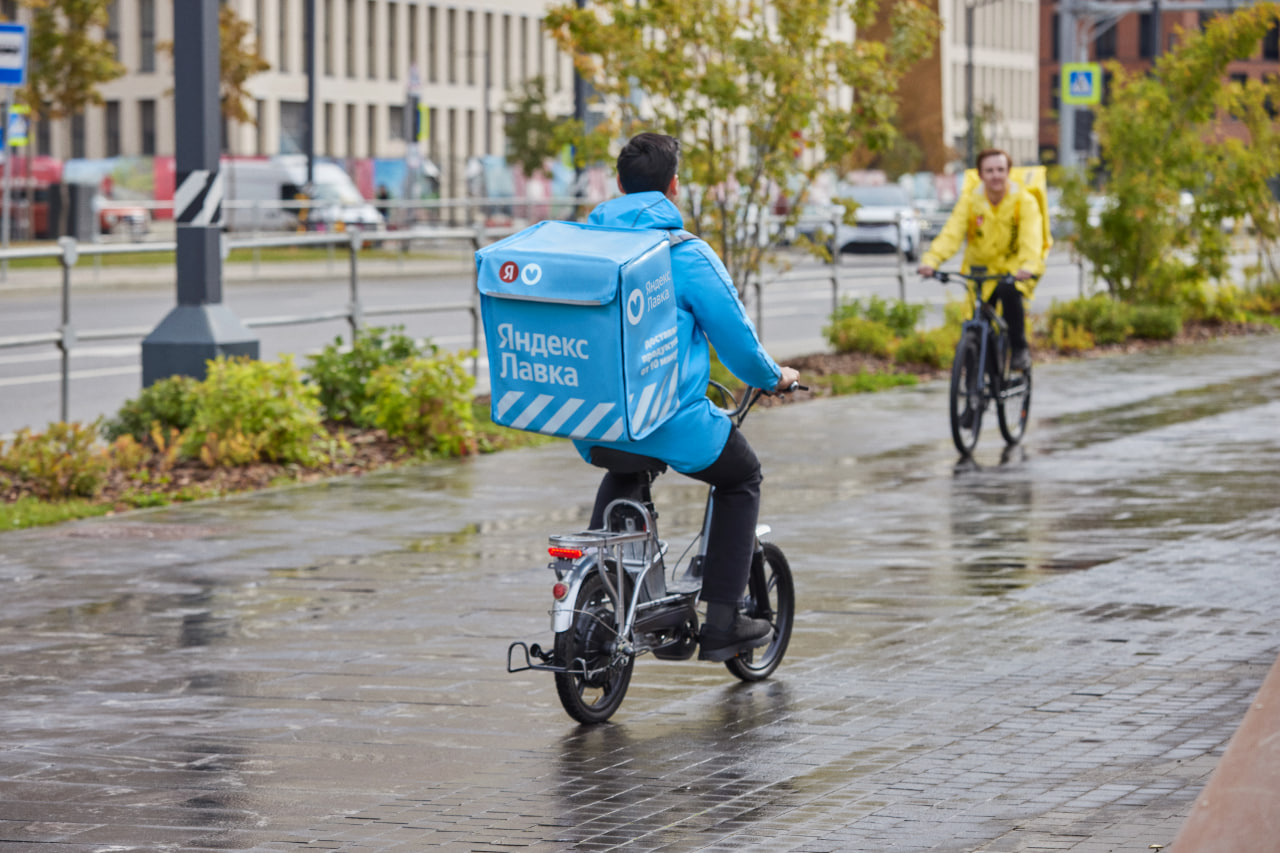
(1048, 651)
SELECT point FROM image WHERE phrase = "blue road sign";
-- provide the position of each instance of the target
(13, 54)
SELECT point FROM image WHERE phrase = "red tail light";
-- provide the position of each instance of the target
(560, 591)
(565, 553)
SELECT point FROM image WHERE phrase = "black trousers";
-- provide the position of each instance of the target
(735, 508)
(1010, 300)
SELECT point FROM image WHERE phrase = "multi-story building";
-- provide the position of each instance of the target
(462, 60)
(1128, 38)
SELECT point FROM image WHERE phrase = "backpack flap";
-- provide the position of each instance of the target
(580, 327)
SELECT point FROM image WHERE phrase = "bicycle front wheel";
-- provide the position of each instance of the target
(1014, 406)
(771, 595)
(598, 675)
(966, 394)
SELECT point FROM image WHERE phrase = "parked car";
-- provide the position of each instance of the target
(886, 220)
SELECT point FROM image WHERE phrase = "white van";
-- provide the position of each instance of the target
(263, 193)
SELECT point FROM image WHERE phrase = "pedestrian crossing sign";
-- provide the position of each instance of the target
(1081, 83)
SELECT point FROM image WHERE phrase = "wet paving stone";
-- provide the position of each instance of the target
(1041, 649)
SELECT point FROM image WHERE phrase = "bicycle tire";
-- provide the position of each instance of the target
(771, 595)
(966, 400)
(594, 695)
(1014, 427)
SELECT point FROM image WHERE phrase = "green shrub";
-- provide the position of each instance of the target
(426, 402)
(64, 461)
(864, 382)
(1223, 303)
(1156, 322)
(1105, 319)
(858, 334)
(341, 374)
(1068, 337)
(170, 403)
(934, 347)
(900, 317)
(251, 411)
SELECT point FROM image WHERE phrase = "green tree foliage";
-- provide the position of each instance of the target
(1159, 138)
(238, 60)
(67, 58)
(746, 88)
(535, 136)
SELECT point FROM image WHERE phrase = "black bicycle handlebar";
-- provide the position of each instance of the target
(739, 410)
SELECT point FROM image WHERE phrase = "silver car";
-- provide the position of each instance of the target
(885, 219)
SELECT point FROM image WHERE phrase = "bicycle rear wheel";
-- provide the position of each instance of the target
(966, 398)
(771, 595)
(1014, 406)
(596, 689)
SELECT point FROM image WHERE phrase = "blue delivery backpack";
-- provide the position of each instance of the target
(580, 330)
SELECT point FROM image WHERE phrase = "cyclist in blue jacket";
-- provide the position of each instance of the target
(699, 440)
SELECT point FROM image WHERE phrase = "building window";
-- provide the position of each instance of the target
(351, 39)
(1104, 46)
(260, 110)
(77, 135)
(44, 133)
(1271, 43)
(393, 42)
(506, 51)
(351, 130)
(113, 26)
(524, 48)
(293, 118)
(328, 38)
(371, 132)
(147, 35)
(147, 127)
(414, 60)
(111, 116)
(396, 127)
(471, 48)
(371, 40)
(1055, 87)
(282, 36)
(451, 53)
(432, 47)
(328, 130)
(1055, 33)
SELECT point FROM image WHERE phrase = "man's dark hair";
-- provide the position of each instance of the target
(993, 152)
(648, 162)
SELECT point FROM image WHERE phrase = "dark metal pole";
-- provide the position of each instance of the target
(309, 45)
(200, 327)
(968, 81)
(1155, 30)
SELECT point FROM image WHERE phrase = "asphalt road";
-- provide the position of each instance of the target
(791, 313)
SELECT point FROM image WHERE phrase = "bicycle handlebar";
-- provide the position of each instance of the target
(978, 278)
(749, 397)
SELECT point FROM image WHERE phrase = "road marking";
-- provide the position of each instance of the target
(78, 352)
(75, 374)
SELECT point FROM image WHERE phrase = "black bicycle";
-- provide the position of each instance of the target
(980, 373)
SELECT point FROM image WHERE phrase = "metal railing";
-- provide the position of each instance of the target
(68, 252)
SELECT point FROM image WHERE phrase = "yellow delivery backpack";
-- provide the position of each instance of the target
(1032, 179)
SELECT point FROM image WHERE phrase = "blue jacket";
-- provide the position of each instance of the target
(709, 313)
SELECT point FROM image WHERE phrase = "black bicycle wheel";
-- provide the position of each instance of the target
(1014, 406)
(595, 690)
(967, 400)
(771, 595)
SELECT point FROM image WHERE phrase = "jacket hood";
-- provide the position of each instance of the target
(638, 210)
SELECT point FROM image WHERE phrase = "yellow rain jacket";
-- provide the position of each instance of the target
(1011, 236)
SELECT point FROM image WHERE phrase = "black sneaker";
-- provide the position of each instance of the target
(745, 634)
(1021, 359)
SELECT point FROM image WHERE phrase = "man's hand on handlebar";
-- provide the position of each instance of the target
(790, 377)
(925, 270)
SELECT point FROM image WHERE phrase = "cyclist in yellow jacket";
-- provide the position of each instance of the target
(1001, 225)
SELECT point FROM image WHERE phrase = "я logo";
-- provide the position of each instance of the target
(508, 271)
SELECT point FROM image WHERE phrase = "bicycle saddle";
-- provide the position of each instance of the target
(622, 462)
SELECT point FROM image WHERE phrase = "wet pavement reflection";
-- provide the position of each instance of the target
(1046, 646)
